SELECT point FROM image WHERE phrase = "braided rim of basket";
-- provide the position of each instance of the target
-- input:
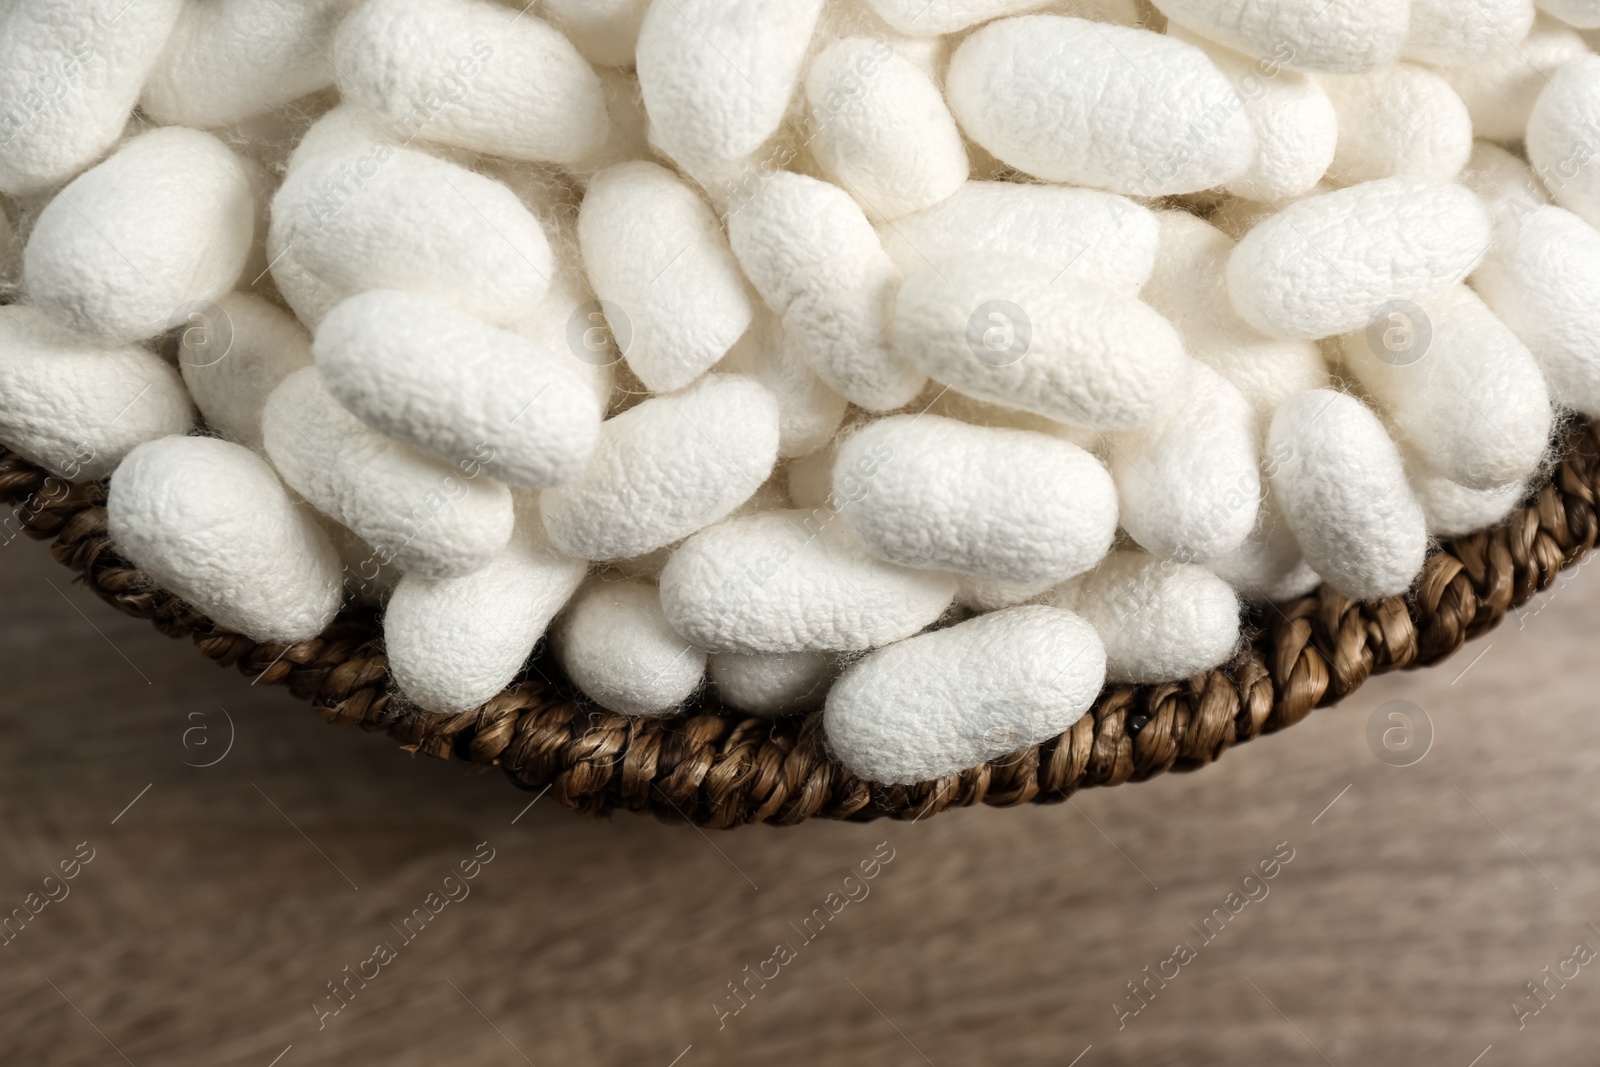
(722, 769)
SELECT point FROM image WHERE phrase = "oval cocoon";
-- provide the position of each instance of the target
(70, 73)
(718, 75)
(1006, 505)
(373, 216)
(209, 521)
(794, 581)
(616, 646)
(428, 517)
(231, 60)
(1333, 36)
(1268, 567)
(1342, 487)
(1189, 483)
(438, 379)
(940, 703)
(1541, 278)
(1057, 98)
(234, 355)
(472, 74)
(772, 685)
(1002, 330)
(1448, 34)
(1500, 89)
(1451, 508)
(1296, 128)
(1561, 140)
(454, 643)
(165, 222)
(1470, 401)
(1160, 621)
(892, 144)
(1402, 120)
(666, 468)
(1083, 234)
(817, 262)
(76, 408)
(1189, 288)
(1325, 265)
(809, 412)
(654, 249)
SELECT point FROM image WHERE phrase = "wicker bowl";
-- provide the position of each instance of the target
(718, 768)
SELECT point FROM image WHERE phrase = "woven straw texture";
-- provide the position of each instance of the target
(717, 768)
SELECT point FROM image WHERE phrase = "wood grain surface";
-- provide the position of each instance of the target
(221, 901)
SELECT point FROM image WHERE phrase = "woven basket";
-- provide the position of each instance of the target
(720, 769)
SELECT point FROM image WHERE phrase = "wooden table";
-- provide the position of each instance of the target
(221, 901)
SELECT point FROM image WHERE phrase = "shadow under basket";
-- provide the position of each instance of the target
(719, 768)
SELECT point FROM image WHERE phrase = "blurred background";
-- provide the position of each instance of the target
(235, 866)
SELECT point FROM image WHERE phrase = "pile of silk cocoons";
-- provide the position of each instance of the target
(925, 365)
